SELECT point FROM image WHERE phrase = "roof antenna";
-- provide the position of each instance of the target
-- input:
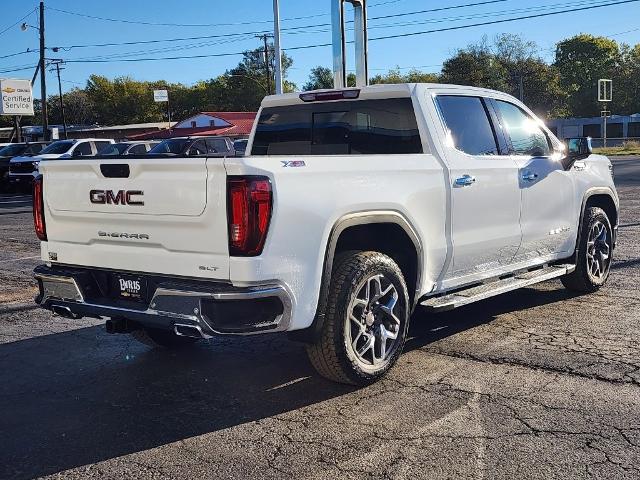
(339, 43)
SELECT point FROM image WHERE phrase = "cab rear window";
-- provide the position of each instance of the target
(361, 127)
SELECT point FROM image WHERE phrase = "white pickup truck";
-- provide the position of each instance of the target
(351, 208)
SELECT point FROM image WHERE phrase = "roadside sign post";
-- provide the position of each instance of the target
(160, 96)
(17, 97)
(605, 95)
(16, 100)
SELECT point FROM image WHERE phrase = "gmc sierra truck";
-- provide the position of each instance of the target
(351, 208)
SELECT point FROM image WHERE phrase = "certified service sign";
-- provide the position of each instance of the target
(17, 97)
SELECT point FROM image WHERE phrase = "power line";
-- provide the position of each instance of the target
(505, 20)
(403, 35)
(161, 24)
(19, 53)
(14, 24)
(18, 69)
(253, 33)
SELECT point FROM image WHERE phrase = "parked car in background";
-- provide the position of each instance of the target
(240, 146)
(194, 146)
(13, 150)
(127, 148)
(23, 169)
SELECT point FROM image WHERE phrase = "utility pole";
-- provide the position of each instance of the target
(57, 63)
(265, 37)
(43, 81)
(276, 46)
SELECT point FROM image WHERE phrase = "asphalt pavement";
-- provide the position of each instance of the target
(538, 383)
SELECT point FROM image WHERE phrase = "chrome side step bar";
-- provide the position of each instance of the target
(497, 287)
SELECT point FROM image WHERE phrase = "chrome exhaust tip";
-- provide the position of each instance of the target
(191, 331)
(64, 312)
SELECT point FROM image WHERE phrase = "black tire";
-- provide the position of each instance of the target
(333, 354)
(157, 338)
(583, 279)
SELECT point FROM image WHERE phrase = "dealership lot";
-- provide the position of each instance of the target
(538, 383)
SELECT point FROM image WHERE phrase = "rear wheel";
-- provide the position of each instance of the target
(154, 337)
(593, 253)
(366, 320)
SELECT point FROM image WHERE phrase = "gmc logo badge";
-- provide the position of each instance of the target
(122, 197)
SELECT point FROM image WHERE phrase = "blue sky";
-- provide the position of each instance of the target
(233, 18)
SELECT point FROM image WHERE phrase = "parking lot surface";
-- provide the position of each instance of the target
(537, 383)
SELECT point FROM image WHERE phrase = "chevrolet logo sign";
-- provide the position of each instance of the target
(8, 90)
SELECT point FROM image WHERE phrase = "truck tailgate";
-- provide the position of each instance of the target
(165, 215)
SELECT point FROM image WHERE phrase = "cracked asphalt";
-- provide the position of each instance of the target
(538, 383)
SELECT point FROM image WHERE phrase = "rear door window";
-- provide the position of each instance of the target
(83, 149)
(217, 145)
(367, 127)
(101, 145)
(198, 148)
(467, 120)
(140, 149)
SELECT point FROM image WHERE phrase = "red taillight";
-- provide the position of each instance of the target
(249, 203)
(38, 210)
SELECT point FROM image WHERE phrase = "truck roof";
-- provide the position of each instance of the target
(392, 90)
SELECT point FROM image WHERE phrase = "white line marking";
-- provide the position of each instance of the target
(16, 201)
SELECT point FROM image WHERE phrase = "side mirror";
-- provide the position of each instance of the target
(578, 148)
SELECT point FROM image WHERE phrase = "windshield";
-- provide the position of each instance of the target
(12, 150)
(175, 145)
(114, 149)
(58, 148)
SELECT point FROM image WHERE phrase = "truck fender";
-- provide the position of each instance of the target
(343, 223)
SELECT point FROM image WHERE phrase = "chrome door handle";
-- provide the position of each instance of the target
(465, 181)
(529, 177)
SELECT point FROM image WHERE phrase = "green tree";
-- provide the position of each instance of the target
(626, 83)
(78, 108)
(319, 78)
(413, 76)
(123, 100)
(475, 66)
(540, 82)
(581, 61)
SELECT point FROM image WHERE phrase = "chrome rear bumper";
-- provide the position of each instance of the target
(170, 308)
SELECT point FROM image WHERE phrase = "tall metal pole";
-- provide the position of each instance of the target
(276, 45)
(43, 80)
(64, 118)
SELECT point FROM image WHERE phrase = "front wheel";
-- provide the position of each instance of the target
(366, 320)
(593, 253)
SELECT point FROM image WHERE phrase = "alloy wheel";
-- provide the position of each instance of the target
(372, 327)
(598, 251)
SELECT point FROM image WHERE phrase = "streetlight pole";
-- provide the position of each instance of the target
(276, 45)
(43, 81)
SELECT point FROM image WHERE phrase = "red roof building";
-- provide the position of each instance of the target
(228, 124)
